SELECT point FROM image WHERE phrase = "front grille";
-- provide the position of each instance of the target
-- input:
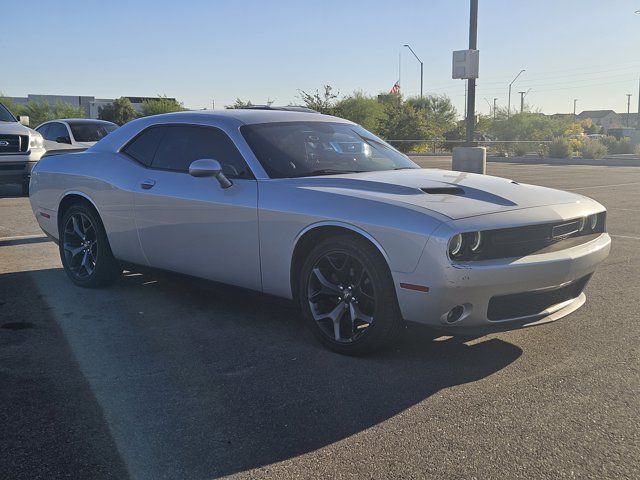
(14, 143)
(530, 239)
(529, 304)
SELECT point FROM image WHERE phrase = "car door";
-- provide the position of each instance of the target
(192, 225)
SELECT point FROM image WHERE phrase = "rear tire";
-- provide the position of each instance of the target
(84, 248)
(347, 296)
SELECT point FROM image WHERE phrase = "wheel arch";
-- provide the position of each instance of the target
(317, 232)
(71, 198)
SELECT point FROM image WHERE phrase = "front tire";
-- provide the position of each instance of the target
(25, 189)
(347, 296)
(84, 248)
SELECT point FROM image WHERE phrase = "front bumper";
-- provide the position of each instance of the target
(17, 168)
(471, 286)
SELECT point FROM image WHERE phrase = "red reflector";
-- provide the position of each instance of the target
(417, 288)
(45, 215)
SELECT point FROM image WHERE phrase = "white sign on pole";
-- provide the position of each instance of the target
(466, 64)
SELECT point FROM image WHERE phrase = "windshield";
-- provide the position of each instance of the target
(302, 149)
(91, 131)
(5, 115)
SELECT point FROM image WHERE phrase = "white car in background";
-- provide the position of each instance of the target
(74, 133)
(20, 148)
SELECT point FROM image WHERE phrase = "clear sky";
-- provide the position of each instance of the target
(199, 51)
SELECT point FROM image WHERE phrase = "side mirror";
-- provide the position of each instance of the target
(24, 120)
(209, 168)
(63, 140)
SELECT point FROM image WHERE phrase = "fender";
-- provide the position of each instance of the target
(348, 226)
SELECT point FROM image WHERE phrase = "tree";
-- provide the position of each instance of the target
(403, 122)
(159, 105)
(361, 109)
(120, 111)
(66, 110)
(438, 111)
(239, 103)
(321, 102)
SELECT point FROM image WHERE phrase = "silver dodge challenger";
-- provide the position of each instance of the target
(317, 209)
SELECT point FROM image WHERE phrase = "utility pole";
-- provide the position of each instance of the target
(628, 107)
(494, 107)
(575, 100)
(471, 83)
(509, 102)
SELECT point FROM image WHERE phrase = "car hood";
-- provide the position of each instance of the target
(14, 128)
(452, 194)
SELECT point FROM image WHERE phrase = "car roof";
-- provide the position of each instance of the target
(250, 116)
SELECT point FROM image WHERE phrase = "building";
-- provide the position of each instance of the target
(91, 105)
(603, 118)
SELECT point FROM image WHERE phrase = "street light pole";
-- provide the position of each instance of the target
(494, 107)
(509, 102)
(575, 100)
(421, 67)
(628, 107)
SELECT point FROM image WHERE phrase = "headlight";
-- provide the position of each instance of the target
(475, 243)
(465, 246)
(455, 246)
(36, 141)
(592, 222)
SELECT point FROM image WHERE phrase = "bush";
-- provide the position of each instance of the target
(560, 148)
(520, 149)
(592, 148)
(615, 146)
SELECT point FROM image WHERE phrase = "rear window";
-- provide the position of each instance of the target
(91, 131)
(143, 148)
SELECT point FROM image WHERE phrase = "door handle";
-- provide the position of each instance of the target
(147, 184)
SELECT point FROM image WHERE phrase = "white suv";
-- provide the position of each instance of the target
(20, 148)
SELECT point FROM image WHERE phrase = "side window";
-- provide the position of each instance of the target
(182, 145)
(57, 130)
(43, 130)
(144, 146)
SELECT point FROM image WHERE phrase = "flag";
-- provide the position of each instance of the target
(395, 89)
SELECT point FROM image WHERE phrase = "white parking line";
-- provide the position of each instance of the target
(603, 186)
(625, 236)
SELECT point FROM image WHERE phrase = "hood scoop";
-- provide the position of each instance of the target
(443, 191)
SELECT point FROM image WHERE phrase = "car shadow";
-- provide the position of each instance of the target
(198, 380)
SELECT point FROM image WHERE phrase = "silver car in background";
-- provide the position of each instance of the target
(317, 209)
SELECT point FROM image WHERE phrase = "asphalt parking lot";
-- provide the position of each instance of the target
(162, 377)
